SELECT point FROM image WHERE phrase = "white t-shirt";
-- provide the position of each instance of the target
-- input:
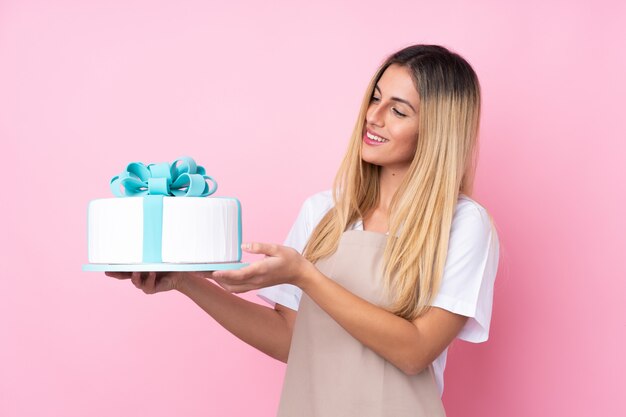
(468, 278)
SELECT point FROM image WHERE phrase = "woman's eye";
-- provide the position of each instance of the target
(398, 113)
(375, 98)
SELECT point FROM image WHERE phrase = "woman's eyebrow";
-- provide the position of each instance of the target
(397, 99)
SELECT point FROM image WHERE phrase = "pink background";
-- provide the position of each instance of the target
(265, 97)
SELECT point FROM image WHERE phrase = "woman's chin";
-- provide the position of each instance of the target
(366, 156)
(372, 161)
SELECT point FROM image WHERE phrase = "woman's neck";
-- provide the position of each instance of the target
(390, 180)
(377, 219)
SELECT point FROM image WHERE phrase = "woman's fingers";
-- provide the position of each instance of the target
(150, 283)
(270, 249)
(118, 275)
(135, 278)
(237, 275)
(229, 276)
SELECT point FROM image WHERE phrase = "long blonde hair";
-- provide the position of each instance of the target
(422, 208)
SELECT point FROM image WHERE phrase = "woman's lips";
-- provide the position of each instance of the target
(372, 142)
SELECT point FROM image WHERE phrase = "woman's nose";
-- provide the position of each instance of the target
(375, 116)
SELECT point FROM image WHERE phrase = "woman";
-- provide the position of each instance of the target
(365, 319)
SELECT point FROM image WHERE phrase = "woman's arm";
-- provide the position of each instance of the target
(266, 329)
(410, 346)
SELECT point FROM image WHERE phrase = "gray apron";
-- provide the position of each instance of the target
(332, 374)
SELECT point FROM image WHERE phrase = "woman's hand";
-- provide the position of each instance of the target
(282, 265)
(151, 282)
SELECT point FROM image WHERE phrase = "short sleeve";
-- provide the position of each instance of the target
(470, 270)
(312, 211)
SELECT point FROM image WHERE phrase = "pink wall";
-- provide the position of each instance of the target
(265, 97)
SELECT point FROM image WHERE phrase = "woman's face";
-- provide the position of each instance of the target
(391, 123)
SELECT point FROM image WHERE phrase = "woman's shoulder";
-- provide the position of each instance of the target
(467, 204)
(319, 202)
(325, 196)
(471, 215)
(312, 210)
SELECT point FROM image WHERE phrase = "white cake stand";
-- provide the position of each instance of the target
(162, 267)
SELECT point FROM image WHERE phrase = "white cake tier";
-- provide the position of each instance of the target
(194, 230)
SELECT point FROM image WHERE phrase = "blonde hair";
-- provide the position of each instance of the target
(422, 208)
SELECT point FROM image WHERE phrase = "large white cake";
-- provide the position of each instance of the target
(194, 230)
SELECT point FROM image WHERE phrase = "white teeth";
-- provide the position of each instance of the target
(376, 138)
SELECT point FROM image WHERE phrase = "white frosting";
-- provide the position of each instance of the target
(115, 230)
(195, 230)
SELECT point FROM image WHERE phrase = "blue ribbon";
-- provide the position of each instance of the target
(181, 178)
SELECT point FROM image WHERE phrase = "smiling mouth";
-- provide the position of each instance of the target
(375, 138)
(371, 139)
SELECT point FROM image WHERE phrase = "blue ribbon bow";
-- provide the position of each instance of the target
(181, 178)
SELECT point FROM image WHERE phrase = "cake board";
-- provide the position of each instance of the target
(163, 267)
